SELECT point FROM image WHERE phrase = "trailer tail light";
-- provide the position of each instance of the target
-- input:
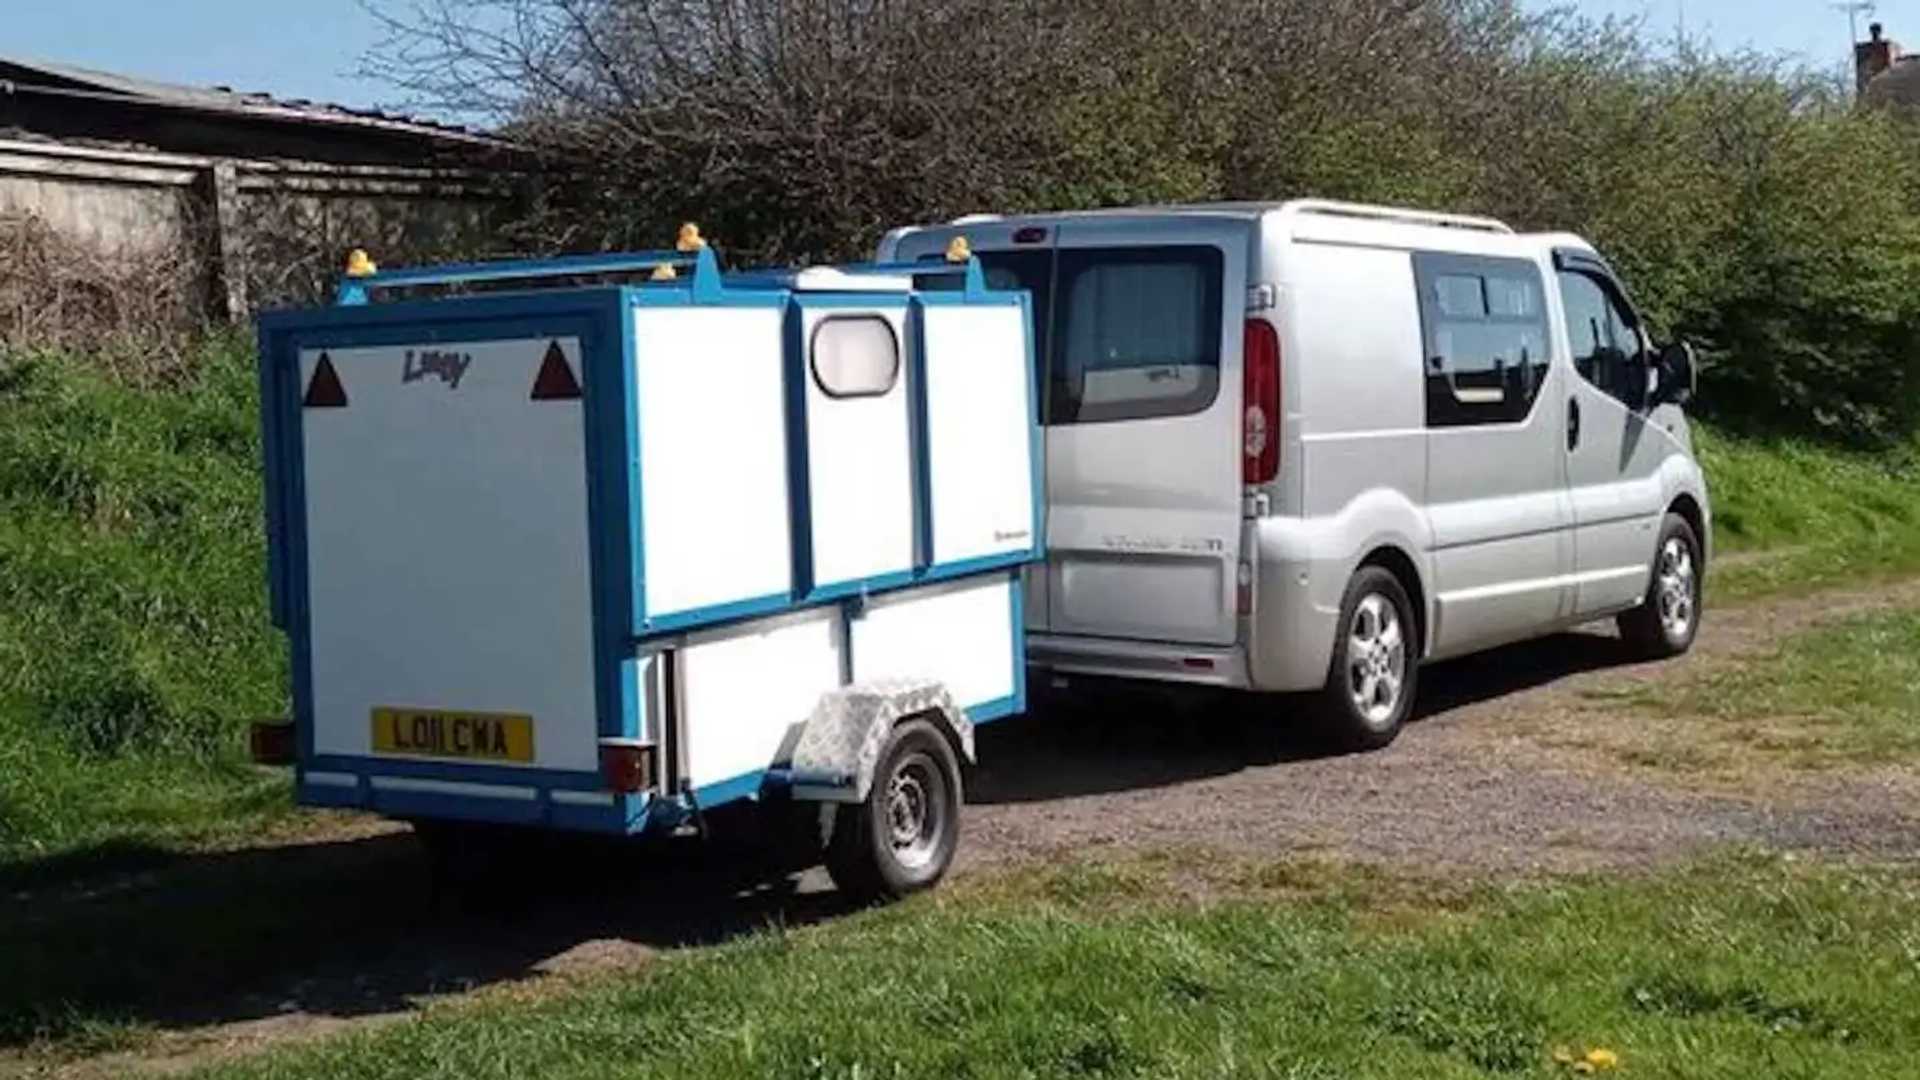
(1260, 422)
(270, 742)
(626, 765)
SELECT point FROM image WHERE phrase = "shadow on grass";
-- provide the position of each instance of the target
(352, 927)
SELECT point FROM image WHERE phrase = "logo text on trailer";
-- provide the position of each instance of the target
(448, 364)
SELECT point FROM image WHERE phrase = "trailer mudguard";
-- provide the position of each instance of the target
(841, 740)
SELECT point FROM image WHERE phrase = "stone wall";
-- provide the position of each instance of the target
(264, 233)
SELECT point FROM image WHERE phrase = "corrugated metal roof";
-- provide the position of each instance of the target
(250, 104)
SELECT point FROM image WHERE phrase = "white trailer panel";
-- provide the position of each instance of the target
(447, 545)
(709, 394)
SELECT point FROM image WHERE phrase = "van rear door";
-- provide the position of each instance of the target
(1139, 326)
(1027, 264)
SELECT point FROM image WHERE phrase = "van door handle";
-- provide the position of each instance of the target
(1573, 423)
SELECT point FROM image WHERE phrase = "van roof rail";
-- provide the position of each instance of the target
(1333, 208)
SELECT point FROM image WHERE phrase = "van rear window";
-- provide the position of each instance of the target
(1123, 333)
(1136, 331)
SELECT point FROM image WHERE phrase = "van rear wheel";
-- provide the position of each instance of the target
(1375, 664)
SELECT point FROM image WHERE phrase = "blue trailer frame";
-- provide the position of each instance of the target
(601, 318)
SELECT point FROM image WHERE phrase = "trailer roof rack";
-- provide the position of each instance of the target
(1402, 215)
(707, 280)
(354, 288)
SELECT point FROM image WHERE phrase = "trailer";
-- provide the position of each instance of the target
(601, 543)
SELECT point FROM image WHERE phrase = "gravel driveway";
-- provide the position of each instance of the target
(1482, 782)
(1469, 784)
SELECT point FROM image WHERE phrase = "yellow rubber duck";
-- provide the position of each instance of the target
(359, 264)
(958, 250)
(689, 238)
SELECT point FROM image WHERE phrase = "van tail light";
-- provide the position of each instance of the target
(1260, 420)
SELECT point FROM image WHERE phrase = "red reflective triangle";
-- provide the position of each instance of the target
(324, 390)
(555, 381)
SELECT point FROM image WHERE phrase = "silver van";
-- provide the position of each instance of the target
(1308, 446)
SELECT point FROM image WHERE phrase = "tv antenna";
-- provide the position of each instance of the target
(1854, 9)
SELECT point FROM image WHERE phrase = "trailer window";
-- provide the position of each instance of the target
(855, 356)
(1485, 328)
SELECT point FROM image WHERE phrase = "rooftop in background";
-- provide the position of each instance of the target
(66, 102)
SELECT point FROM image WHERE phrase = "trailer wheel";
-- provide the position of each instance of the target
(902, 837)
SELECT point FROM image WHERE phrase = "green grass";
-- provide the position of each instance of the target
(1839, 694)
(1821, 517)
(134, 641)
(1738, 968)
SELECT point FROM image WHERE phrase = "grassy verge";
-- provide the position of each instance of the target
(134, 641)
(1800, 517)
(1844, 694)
(1742, 967)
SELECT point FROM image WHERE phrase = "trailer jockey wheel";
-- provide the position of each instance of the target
(902, 837)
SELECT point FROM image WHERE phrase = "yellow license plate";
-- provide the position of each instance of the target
(445, 733)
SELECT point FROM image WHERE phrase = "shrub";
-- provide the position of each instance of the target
(1747, 202)
(136, 312)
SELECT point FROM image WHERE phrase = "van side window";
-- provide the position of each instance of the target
(1136, 333)
(1485, 328)
(1603, 339)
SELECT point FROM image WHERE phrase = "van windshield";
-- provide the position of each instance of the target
(1125, 332)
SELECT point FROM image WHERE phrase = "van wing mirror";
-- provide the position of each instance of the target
(1676, 373)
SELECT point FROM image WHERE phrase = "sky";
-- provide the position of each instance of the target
(311, 48)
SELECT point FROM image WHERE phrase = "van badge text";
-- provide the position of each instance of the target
(1186, 545)
(447, 364)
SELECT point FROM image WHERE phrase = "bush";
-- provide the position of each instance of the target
(1747, 202)
(136, 312)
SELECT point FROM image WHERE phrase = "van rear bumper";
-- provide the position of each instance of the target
(1296, 603)
(1204, 665)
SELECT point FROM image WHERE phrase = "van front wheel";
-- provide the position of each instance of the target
(1667, 619)
(1375, 664)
